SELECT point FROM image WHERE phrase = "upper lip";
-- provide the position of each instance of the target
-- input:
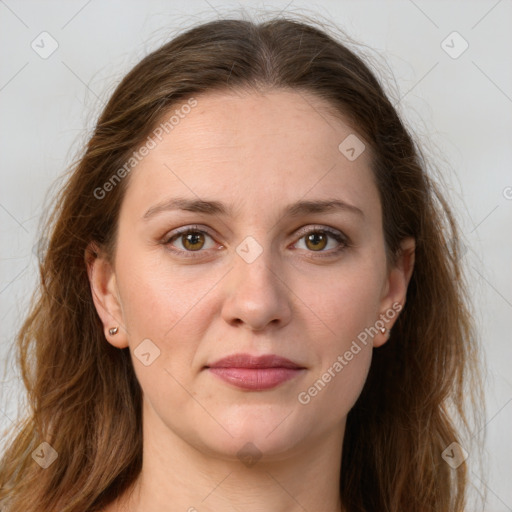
(250, 361)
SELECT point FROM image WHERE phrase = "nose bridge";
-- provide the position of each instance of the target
(257, 295)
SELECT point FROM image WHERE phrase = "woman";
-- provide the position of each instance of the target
(251, 296)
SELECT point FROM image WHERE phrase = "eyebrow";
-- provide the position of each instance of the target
(218, 208)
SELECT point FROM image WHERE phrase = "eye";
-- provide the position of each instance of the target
(317, 240)
(190, 239)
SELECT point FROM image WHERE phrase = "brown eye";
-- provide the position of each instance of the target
(189, 241)
(193, 241)
(316, 241)
(322, 241)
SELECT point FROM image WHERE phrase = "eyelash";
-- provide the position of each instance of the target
(336, 235)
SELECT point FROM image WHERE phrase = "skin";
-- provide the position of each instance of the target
(257, 153)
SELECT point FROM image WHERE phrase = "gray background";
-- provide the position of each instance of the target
(459, 108)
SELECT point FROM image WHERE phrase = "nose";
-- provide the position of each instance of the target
(257, 296)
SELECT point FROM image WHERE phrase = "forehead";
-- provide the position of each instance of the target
(279, 146)
(256, 123)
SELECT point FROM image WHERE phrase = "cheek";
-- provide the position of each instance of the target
(335, 388)
(172, 308)
(156, 298)
(162, 306)
(344, 302)
(345, 311)
(340, 349)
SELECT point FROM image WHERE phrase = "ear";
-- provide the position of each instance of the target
(395, 288)
(105, 295)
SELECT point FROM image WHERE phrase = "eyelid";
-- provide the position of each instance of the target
(318, 227)
(187, 229)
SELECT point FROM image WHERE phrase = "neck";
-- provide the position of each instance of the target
(177, 476)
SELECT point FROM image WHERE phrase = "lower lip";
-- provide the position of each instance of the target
(256, 379)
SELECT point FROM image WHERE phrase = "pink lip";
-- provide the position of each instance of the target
(255, 372)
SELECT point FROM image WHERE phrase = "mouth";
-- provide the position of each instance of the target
(255, 373)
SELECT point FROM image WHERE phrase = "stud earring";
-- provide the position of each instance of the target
(385, 331)
(113, 331)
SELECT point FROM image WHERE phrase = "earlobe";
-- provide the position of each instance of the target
(396, 286)
(105, 295)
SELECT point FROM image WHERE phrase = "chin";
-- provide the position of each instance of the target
(258, 432)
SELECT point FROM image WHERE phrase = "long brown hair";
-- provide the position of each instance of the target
(84, 398)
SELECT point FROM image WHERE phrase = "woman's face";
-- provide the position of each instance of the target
(268, 269)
